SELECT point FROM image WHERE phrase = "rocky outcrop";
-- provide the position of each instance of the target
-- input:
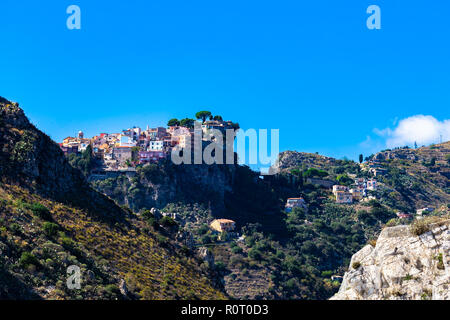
(288, 160)
(401, 266)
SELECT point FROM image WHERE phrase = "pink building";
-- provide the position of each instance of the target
(151, 156)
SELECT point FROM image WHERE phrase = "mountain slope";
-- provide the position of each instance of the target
(50, 218)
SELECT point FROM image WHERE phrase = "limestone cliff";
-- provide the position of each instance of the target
(402, 266)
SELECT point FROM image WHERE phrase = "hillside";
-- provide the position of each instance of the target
(410, 179)
(415, 178)
(50, 218)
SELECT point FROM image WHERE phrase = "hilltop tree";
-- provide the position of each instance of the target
(361, 157)
(218, 118)
(203, 115)
(235, 125)
(188, 123)
(173, 122)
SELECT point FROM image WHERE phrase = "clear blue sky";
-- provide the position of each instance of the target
(309, 68)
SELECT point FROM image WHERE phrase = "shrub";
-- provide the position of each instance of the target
(419, 227)
(28, 259)
(356, 265)
(146, 214)
(41, 211)
(220, 266)
(161, 239)
(167, 221)
(255, 254)
(440, 260)
(408, 277)
(50, 229)
(236, 250)
(15, 228)
(112, 290)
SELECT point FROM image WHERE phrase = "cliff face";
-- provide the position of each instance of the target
(401, 266)
(157, 185)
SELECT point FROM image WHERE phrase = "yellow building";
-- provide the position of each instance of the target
(223, 225)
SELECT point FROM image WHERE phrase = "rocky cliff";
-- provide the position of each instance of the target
(157, 185)
(402, 265)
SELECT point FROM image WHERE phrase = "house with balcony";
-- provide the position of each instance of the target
(344, 197)
(357, 193)
(338, 188)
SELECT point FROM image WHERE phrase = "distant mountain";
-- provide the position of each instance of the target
(50, 219)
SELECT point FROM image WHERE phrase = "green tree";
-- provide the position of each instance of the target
(173, 122)
(361, 158)
(218, 118)
(188, 123)
(203, 115)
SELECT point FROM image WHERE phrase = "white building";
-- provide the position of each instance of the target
(294, 203)
(372, 185)
(157, 145)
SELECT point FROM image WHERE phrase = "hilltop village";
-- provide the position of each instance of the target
(125, 150)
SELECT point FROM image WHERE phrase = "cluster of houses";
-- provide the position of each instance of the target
(137, 146)
(343, 194)
(358, 192)
(374, 167)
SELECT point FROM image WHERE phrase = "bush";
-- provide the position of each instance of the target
(50, 229)
(356, 265)
(15, 228)
(236, 250)
(220, 266)
(419, 227)
(41, 211)
(167, 221)
(28, 259)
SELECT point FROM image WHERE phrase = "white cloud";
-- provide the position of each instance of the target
(421, 129)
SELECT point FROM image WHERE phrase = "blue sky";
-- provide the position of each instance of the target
(309, 68)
